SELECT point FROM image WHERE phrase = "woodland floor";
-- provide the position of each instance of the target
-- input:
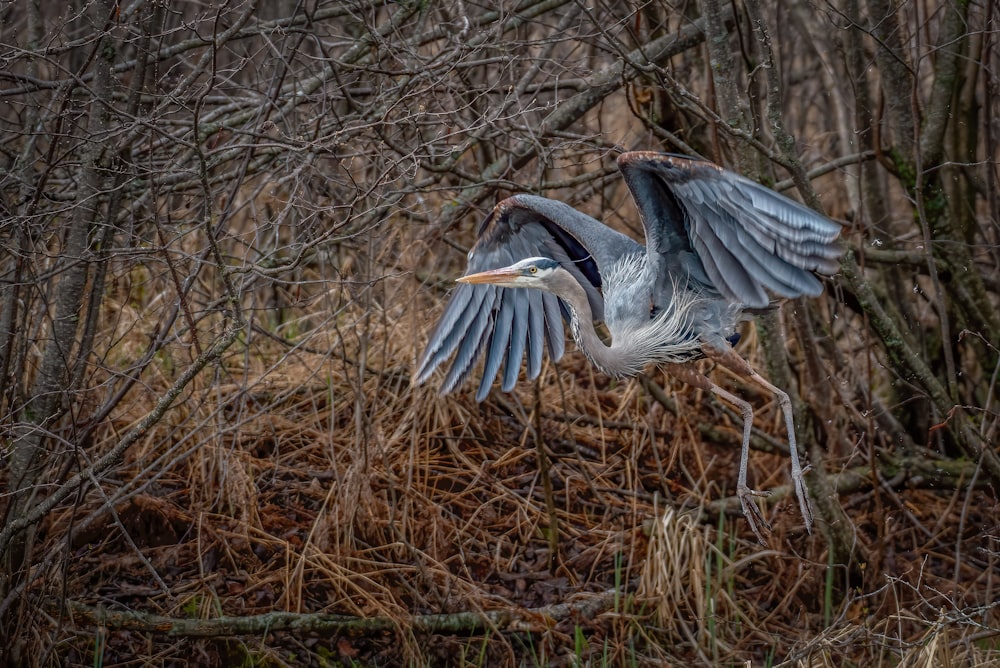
(331, 502)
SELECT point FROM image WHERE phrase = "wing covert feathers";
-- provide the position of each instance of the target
(704, 225)
(747, 237)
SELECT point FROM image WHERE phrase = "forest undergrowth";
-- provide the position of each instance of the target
(227, 231)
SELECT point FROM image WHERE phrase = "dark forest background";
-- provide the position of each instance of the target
(226, 230)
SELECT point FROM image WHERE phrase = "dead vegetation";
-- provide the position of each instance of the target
(218, 457)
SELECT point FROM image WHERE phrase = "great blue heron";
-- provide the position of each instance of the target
(714, 242)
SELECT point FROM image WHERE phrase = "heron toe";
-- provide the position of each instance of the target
(751, 511)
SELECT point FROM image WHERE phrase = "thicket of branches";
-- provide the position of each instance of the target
(226, 231)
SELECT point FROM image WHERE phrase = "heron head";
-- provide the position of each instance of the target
(529, 273)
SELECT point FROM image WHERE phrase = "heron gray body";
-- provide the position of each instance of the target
(716, 245)
(670, 331)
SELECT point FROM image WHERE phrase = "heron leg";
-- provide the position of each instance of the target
(731, 360)
(690, 375)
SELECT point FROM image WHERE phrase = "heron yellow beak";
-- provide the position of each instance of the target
(504, 275)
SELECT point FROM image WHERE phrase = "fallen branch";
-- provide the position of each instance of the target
(512, 619)
(897, 473)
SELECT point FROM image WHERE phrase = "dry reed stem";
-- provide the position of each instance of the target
(673, 576)
(439, 509)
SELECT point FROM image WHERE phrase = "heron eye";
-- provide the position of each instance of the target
(533, 269)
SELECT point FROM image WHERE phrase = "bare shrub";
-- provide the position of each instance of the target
(226, 230)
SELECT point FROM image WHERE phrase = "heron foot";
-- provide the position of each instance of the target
(802, 494)
(751, 511)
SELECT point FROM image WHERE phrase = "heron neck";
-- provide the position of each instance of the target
(582, 327)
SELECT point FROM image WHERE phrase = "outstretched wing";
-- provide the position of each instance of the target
(506, 323)
(734, 233)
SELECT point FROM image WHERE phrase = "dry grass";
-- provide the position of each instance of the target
(576, 521)
(306, 475)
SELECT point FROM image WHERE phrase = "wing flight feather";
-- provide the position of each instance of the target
(733, 237)
(504, 324)
(746, 236)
